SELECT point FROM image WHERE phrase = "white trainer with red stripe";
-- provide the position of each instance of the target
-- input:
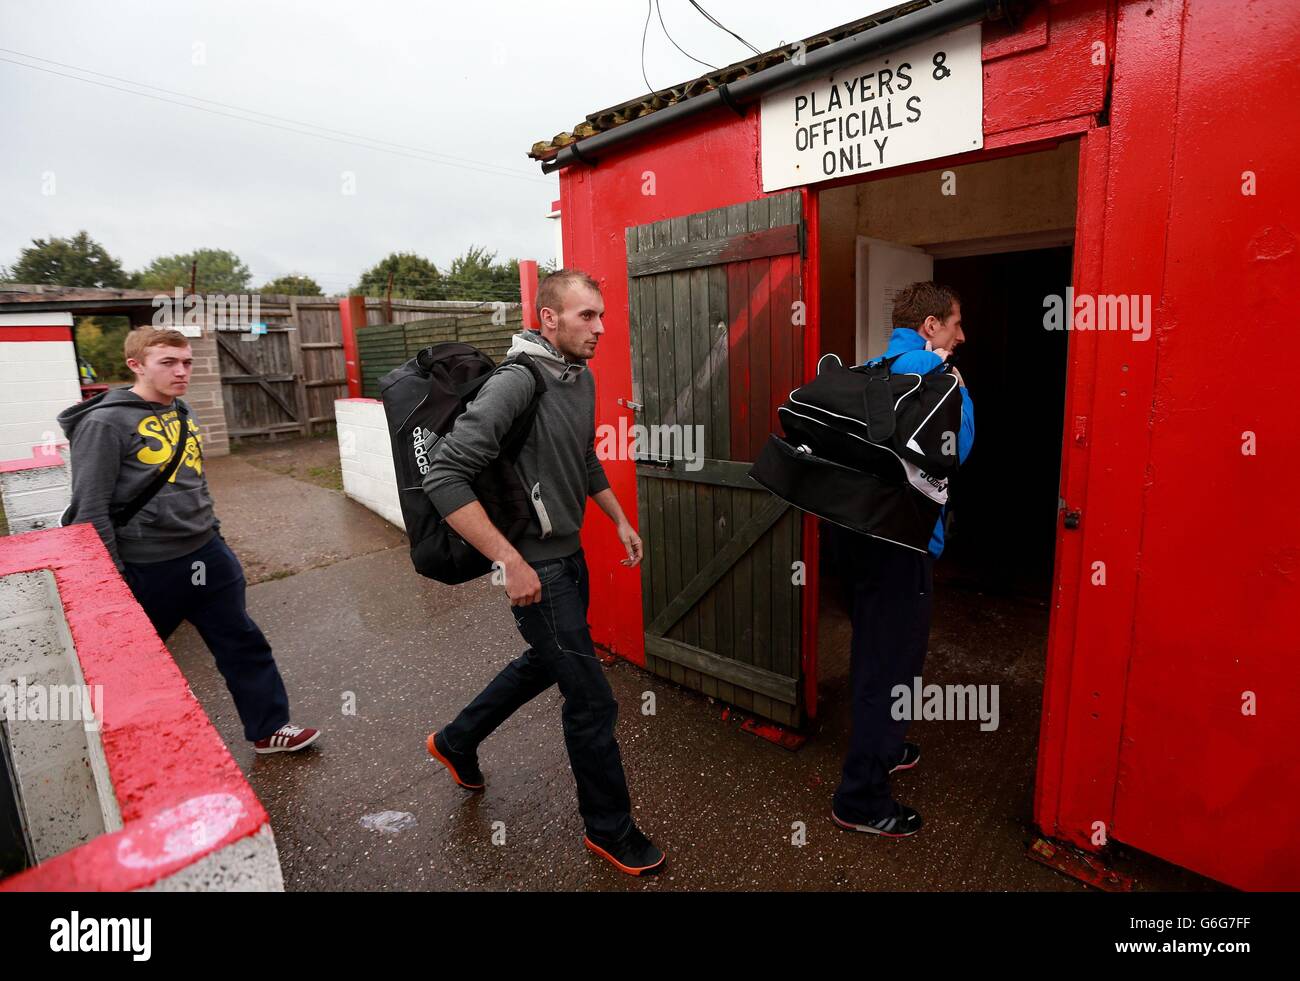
(289, 738)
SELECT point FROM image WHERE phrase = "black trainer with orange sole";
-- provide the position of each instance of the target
(634, 853)
(462, 767)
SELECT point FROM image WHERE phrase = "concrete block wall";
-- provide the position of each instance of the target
(38, 379)
(366, 454)
(35, 492)
(62, 774)
(204, 395)
(146, 798)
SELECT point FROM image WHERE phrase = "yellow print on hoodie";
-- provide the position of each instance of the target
(160, 442)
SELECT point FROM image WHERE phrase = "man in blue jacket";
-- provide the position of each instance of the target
(890, 589)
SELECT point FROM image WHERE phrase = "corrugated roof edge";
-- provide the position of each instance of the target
(614, 116)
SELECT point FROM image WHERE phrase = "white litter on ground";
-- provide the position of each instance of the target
(388, 822)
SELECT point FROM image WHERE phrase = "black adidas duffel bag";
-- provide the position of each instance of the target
(867, 448)
(422, 400)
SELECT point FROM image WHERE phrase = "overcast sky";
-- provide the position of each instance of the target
(474, 83)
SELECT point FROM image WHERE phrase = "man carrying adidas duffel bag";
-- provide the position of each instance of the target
(544, 569)
(891, 591)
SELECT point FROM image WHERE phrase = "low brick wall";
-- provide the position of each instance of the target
(36, 491)
(204, 395)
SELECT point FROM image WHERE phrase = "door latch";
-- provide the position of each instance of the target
(628, 403)
(1072, 517)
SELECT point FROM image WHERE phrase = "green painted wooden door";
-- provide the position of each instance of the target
(717, 344)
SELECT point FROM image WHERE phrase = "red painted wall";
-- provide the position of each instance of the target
(1142, 734)
(1198, 537)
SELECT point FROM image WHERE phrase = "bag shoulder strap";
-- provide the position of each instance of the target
(878, 400)
(520, 429)
(123, 514)
(517, 434)
(878, 364)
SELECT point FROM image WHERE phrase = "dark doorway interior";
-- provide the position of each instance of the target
(995, 577)
(1002, 512)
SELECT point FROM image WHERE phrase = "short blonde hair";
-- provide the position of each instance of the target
(140, 340)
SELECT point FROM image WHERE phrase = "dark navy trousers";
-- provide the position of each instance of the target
(890, 591)
(560, 652)
(206, 588)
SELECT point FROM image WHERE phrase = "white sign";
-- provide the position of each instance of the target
(918, 103)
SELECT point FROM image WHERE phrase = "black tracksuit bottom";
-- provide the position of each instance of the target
(889, 588)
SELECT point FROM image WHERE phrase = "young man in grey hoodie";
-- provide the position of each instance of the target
(545, 572)
(168, 547)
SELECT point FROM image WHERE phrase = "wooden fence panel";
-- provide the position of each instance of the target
(320, 334)
(303, 350)
(383, 347)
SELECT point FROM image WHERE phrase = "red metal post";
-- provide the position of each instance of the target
(352, 311)
(528, 292)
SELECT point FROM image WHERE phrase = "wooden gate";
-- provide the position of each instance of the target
(715, 313)
(262, 382)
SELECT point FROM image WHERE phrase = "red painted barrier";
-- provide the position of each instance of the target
(528, 292)
(180, 793)
(352, 311)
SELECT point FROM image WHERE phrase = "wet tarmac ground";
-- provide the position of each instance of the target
(377, 657)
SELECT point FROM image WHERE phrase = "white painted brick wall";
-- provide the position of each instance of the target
(38, 380)
(366, 456)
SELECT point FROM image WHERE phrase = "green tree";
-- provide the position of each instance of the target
(99, 342)
(219, 271)
(476, 275)
(293, 285)
(414, 278)
(76, 261)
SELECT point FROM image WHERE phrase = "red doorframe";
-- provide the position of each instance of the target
(1081, 376)
(812, 295)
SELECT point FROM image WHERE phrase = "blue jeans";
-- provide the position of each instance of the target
(560, 652)
(211, 596)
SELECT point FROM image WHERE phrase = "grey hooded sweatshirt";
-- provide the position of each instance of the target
(119, 443)
(557, 463)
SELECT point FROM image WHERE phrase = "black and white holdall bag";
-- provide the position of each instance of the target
(867, 448)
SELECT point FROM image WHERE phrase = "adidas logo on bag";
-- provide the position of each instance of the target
(422, 441)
